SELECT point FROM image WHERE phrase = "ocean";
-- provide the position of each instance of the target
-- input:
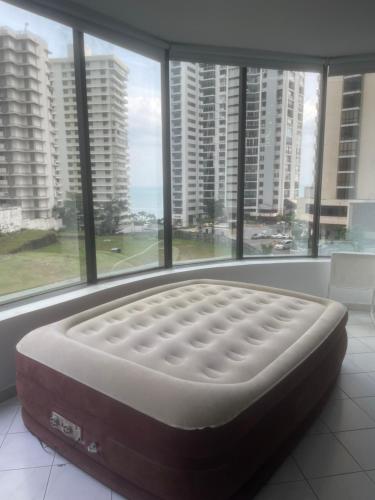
(147, 199)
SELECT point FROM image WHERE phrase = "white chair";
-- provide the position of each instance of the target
(351, 270)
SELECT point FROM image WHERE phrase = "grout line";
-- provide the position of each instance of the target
(47, 483)
(11, 423)
(305, 478)
(26, 468)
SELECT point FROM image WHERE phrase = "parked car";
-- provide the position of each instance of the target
(283, 245)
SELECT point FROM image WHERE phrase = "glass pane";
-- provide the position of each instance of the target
(347, 221)
(204, 156)
(281, 128)
(124, 105)
(40, 218)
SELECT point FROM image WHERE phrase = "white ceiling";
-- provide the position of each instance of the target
(309, 27)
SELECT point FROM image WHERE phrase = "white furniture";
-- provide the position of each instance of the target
(351, 270)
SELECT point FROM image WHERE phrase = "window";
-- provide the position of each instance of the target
(348, 168)
(40, 217)
(277, 220)
(127, 170)
(204, 218)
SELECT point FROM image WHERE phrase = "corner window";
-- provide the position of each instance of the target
(126, 157)
(41, 223)
(279, 176)
(348, 187)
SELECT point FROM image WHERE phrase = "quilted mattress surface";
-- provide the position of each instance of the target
(193, 354)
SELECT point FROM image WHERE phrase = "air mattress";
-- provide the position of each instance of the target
(183, 391)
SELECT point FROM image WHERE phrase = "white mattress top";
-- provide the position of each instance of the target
(192, 354)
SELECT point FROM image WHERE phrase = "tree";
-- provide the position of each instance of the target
(71, 212)
(213, 209)
(108, 216)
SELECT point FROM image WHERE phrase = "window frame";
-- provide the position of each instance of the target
(83, 22)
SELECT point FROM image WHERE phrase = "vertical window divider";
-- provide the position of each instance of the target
(84, 154)
(241, 161)
(167, 178)
(319, 164)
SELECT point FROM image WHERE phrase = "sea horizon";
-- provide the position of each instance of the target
(147, 199)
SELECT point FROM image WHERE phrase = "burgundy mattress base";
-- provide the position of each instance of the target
(131, 491)
(144, 459)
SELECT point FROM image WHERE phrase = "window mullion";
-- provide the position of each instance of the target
(241, 161)
(319, 163)
(167, 178)
(84, 154)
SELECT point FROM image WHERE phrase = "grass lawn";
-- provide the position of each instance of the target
(60, 262)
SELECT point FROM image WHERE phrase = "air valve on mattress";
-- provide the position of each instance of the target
(183, 391)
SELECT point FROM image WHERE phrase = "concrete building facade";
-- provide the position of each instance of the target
(108, 123)
(348, 184)
(27, 139)
(204, 139)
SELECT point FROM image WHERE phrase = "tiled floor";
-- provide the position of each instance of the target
(334, 461)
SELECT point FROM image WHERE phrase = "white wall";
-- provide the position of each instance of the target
(304, 275)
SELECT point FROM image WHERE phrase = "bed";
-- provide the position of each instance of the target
(187, 391)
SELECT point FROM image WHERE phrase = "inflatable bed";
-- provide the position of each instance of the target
(187, 391)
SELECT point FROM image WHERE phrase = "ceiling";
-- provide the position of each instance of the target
(327, 28)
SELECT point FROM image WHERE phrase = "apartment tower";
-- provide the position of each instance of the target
(27, 140)
(204, 139)
(348, 185)
(106, 78)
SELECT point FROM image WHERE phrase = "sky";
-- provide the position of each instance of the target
(144, 101)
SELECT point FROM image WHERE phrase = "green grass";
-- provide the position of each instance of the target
(60, 262)
(12, 242)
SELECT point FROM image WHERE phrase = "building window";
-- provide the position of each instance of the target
(348, 173)
(276, 222)
(204, 219)
(128, 211)
(40, 222)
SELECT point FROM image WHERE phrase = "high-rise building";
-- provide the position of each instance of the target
(274, 119)
(348, 183)
(27, 141)
(106, 78)
(204, 139)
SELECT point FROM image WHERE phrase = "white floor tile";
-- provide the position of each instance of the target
(349, 366)
(287, 472)
(344, 414)
(371, 474)
(23, 450)
(11, 401)
(116, 496)
(286, 491)
(356, 346)
(361, 445)
(318, 427)
(368, 342)
(24, 484)
(359, 318)
(356, 363)
(323, 455)
(69, 482)
(345, 487)
(60, 460)
(363, 330)
(17, 424)
(7, 413)
(338, 393)
(357, 385)
(367, 404)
